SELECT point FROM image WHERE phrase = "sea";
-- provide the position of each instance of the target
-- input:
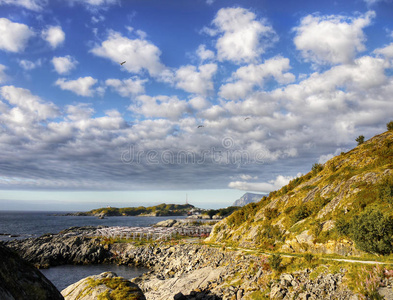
(27, 224)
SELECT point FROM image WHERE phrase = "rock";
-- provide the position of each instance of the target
(179, 296)
(20, 280)
(166, 223)
(386, 293)
(103, 286)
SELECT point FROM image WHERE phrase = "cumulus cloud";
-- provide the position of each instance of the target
(204, 54)
(128, 87)
(81, 86)
(14, 36)
(199, 103)
(245, 78)
(159, 107)
(35, 5)
(26, 109)
(331, 39)
(196, 80)
(54, 35)
(139, 54)
(64, 64)
(264, 187)
(242, 38)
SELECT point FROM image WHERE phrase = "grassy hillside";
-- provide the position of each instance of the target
(343, 207)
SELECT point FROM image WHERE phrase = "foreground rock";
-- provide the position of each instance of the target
(104, 286)
(21, 281)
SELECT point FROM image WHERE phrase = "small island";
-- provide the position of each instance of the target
(159, 211)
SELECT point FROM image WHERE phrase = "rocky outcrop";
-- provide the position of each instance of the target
(68, 247)
(19, 280)
(103, 286)
(298, 285)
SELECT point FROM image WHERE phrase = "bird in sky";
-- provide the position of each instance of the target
(122, 63)
(200, 126)
(246, 118)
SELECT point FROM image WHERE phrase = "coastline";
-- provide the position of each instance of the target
(183, 267)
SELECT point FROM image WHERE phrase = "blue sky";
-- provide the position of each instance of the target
(215, 98)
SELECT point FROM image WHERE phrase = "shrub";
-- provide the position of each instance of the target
(372, 231)
(308, 257)
(275, 261)
(271, 213)
(300, 213)
(360, 139)
(389, 125)
(316, 168)
(385, 190)
(342, 226)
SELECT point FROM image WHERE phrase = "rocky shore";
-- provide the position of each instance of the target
(184, 270)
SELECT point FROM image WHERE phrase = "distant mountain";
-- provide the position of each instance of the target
(248, 198)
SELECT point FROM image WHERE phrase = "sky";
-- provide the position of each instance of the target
(140, 102)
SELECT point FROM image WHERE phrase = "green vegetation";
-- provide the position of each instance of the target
(316, 168)
(275, 261)
(222, 212)
(372, 231)
(389, 125)
(360, 139)
(158, 210)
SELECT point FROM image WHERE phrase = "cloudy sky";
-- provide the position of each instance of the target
(214, 98)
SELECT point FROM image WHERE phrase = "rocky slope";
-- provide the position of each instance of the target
(21, 281)
(303, 215)
(247, 198)
(103, 286)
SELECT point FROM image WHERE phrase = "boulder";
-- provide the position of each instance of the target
(21, 281)
(103, 286)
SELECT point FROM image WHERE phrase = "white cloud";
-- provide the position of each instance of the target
(128, 87)
(14, 36)
(245, 78)
(159, 107)
(264, 187)
(35, 5)
(64, 64)
(3, 75)
(139, 54)
(95, 2)
(81, 86)
(30, 65)
(81, 111)
(199, 103)
(242, 38)
(26, 108)
(204, 54)
(331, 39)
(386, 51)
(54, 35)
(193, 80)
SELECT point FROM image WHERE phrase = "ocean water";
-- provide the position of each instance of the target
(34, 224)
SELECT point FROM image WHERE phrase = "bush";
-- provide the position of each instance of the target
(308, 257)
(372, 231)
(271, 213)
(385, 190)
(389, 126)
(316, 168)
(300, 213)
(360, 139)
(275, 261)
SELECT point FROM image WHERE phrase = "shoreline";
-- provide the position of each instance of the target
(187, 267)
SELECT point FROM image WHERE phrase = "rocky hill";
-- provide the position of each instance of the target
(343, 206)
(247, 198)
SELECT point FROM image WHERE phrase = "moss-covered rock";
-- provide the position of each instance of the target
(106, 286)
(20, 280)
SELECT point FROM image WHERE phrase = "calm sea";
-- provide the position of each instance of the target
(34, 224)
